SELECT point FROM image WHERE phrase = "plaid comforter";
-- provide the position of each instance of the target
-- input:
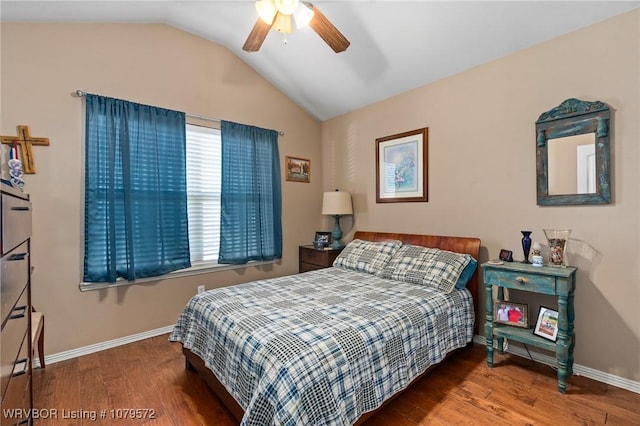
(322, 347)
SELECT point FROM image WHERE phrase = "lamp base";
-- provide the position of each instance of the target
(336, 234)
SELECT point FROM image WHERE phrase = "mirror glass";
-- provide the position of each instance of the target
(572, 164)
(573, 154)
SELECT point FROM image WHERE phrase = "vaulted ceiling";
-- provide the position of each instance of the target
(395, 45)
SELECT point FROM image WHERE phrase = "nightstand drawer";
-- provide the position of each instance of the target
(314, 257)
(311, 259)
(524, 281)
(306, 267)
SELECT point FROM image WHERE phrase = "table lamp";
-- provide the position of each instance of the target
(336, 204)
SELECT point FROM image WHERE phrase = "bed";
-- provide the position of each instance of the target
(331, 346)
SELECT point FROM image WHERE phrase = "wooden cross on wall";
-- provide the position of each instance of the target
(25, 141)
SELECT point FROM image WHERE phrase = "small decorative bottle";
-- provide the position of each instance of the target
(526, 245)
(536, 259)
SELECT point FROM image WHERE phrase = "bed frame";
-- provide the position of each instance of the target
(457, 244)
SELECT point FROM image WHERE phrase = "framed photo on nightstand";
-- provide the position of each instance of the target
(547, 324)
(506, 255)
(322, 239)
(510, 313)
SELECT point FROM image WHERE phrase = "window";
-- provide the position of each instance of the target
(155, 198)
(203, 193)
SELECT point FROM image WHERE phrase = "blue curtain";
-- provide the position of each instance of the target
(135, 191)
(251, 199)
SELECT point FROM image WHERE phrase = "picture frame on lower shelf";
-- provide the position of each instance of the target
(510, 313)
(547, 324)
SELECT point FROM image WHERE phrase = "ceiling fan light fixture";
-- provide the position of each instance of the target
(303, 16)
(279, 15)
(283, 23)
(266, 10)
(287, 7)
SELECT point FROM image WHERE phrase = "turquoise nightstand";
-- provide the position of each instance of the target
(560, 282)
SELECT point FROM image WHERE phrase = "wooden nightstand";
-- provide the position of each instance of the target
(559, 282)
(310, 258)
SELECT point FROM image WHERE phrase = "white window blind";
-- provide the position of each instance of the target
(203, 193)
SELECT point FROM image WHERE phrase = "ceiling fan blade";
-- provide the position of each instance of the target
(328, 32)
(256, 36)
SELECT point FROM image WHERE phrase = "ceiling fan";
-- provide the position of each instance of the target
(279, 14)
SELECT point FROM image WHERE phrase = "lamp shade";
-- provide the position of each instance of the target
(337, 203)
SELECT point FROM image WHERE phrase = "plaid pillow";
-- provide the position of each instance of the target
(367, 256)
(426, 266)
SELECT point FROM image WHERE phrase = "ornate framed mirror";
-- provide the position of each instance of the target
(573, 154)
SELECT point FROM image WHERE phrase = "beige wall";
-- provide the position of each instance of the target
(151, 64)
(482, 172)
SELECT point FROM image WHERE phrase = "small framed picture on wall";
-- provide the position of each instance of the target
(298, 169)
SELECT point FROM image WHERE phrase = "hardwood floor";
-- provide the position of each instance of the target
(151, 375)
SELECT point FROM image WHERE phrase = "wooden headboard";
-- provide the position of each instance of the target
(468, 245)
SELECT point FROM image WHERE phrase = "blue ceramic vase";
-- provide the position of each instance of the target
(526, 245)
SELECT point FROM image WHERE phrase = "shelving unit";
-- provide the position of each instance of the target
(559, 282)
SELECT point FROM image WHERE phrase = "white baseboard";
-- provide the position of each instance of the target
(579, 370)
(86, 350)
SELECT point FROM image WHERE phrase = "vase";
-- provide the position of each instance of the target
(557, 239)
(526, 245)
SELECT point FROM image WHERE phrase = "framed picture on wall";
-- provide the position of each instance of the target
(401, 167)
(298, 169)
